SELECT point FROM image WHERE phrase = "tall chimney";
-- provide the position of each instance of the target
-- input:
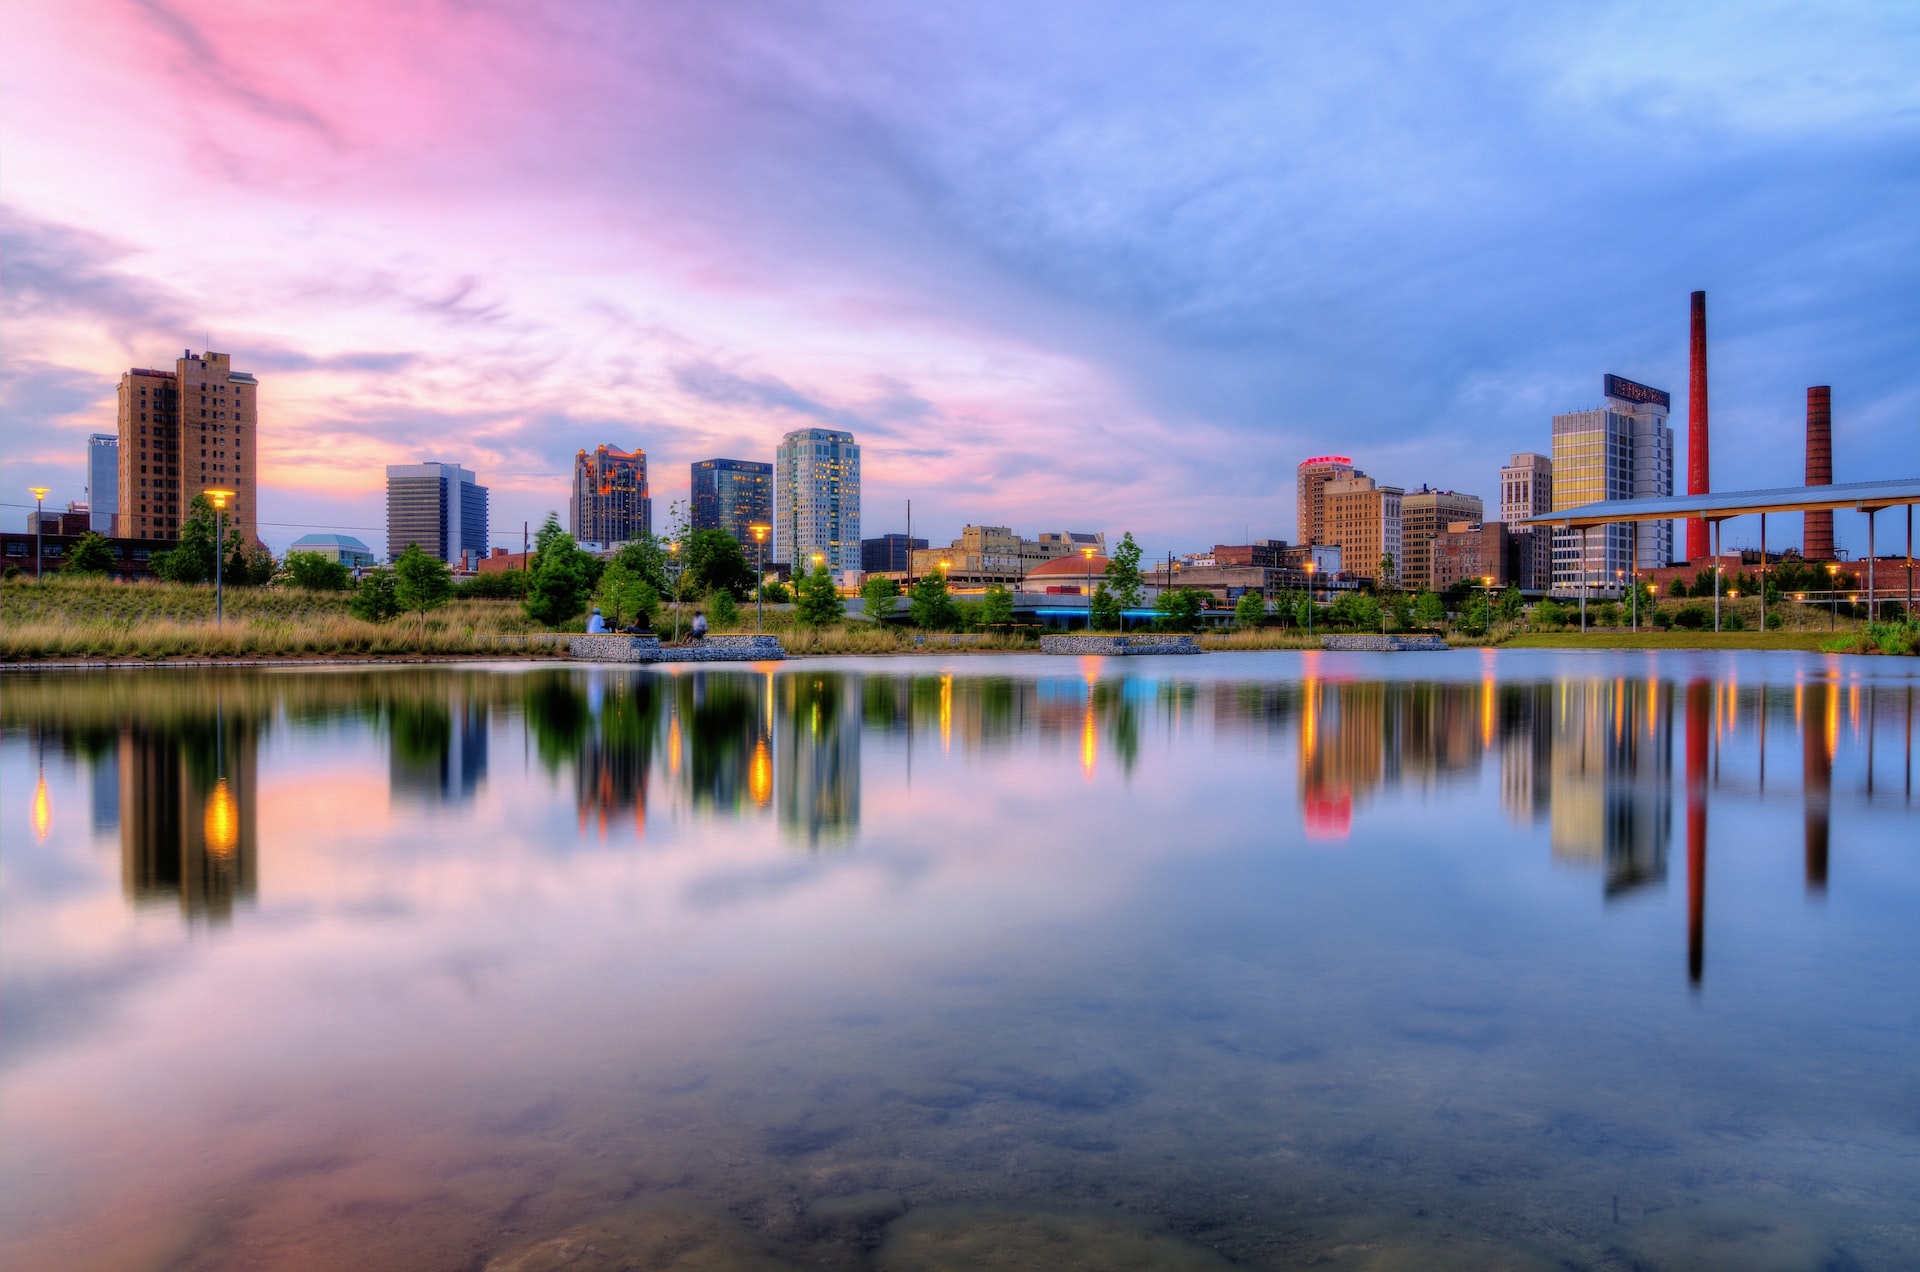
(1697, 427)
(1816, 536)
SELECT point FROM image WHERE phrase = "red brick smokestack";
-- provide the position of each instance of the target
(1697, 548)
(1816, 537)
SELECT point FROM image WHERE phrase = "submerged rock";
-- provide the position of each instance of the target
(940, 1238)
(657, 1237)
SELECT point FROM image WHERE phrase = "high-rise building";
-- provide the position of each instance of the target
(1622, 449)
(816, 499)
(184, 431)
(1526, 490)
(103, 482)
(1310, 480)
(441, 508)
(1425, 513)
(889, 554)
(1363, 517)
(610, 502)
(734, 495)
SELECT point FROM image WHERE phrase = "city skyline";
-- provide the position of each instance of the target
(1002, 297)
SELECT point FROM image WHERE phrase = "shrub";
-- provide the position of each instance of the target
(1250, 611)
(1692, 617)
(1550, 613)
(316, 573)
(817, 604)
(374, 600)
(723, 610)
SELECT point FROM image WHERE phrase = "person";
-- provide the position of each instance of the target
(699, 631)
(640, 626)
(596, 625)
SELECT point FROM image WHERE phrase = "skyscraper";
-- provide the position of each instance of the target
(103, 482)
(183, 431)
(1526, 490)
(1310, 479)
(1424, 514)
(1363, 517)
(610, 502)
(439, 507)
(1620, 450)
(816, 499)
(733, 495)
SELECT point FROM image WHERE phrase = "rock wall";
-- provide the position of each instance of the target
(1119, 645)
(620, 648)
(1383, 644)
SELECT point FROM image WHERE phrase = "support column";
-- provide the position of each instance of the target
(1583, 580)
(1716, 576)
(1871, 612)
(1763, 572)
(1633, 560)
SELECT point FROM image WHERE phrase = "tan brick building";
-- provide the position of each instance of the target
(181, 432)
(1363, 517)
(1424, 514)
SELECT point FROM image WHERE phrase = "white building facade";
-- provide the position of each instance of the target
(1621, 450)
(816, 500)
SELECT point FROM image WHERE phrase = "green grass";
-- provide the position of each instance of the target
(1667, 640)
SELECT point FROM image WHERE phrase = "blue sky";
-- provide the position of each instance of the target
(1062, 265)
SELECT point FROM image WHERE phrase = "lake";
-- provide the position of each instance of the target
(1524, 959)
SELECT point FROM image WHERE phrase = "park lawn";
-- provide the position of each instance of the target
(1680, 639)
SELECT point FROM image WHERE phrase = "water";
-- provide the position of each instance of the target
(1524, 960)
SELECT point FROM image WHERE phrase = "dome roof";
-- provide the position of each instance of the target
(1069, 567)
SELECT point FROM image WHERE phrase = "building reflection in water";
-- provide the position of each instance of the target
(438, 751)
(188, 804)
(816, 755)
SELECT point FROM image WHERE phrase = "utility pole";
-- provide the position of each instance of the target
(524, 540)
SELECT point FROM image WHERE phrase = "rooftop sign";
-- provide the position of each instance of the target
(1628, 391)
(1333, 459)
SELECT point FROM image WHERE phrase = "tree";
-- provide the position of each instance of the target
(191, 558)
(374, 599)
(1354, 610)
(878, 594)
(1103, 609)
(929, 605)
(646, 560)
(624, 595)
(421, 582)
(723, 610)
(91, 555)
(715, 563)
(1511, 604)
(1389, 576)
(996, 607)
(1400, 606)
(558, 586)
(1427, 609)
(776, 593)
(316, 573)
(816, 602)
(1123, 573)
(494, 585)
(1250, 610)
(1179, 609)
(1477, 616)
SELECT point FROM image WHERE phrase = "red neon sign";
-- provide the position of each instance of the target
(1326, 459)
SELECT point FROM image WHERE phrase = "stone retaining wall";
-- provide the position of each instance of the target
(1113, 646)
(1383, 644)
(621, 648)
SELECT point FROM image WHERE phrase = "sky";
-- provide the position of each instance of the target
(1056, 265)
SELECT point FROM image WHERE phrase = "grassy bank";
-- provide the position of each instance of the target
(67, 619)
(1806, 640)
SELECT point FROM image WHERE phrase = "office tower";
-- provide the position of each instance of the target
(1363, 517)
(733, 495)
(183, 431)
(889, 554)
(1526, 490)
(816, 499)
(1423, 514)
(610, 502)
(1698, 481)
(103, 482)
(439, 507)
(1310, 480)
(1816, 534)
(1622, 449)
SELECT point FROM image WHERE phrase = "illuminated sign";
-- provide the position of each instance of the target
(1333, 459)
(1628, 391)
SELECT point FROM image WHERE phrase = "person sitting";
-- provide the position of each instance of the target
(596, 625)
(699, 630)
(641, 625)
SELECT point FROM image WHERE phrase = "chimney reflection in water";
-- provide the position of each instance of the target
(1699, 706)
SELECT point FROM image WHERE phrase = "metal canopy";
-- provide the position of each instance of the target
(1862, 496)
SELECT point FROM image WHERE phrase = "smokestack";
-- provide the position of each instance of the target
(1697, 483)
(1816, 536)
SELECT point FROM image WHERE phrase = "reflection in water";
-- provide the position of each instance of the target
(1083, 945)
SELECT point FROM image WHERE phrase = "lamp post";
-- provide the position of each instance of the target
(1309, 598)
(760, 563)
(1833, 596)
(1087, 555)
(39, 493)
(673, 564)
(219, 500)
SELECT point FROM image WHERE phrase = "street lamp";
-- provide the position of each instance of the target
(1833, 596)
(1309, 598)
(39, 493)
(679, 572)
(760, 562)
(219, 499)
(1087, 555)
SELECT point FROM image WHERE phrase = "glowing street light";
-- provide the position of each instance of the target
(760, 531)
(39, 493)
(1833, 596)
(219, 499)
(1309, 598)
